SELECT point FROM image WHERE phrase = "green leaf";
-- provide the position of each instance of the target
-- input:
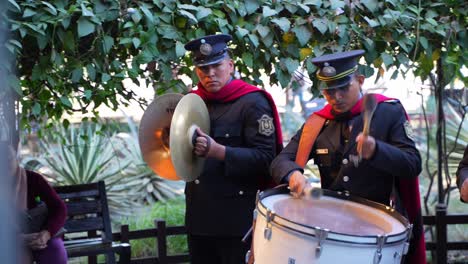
(91, 72)
(14, 83)
(251, 6)
(105, 77)
(136, 17)
(125, 41)
(320, 24)
(66, 22)
(65, 101)
(85, 11)
(69, 42)
(403, 59)
(303, 34)
(13, 3)
(262, 30)
(247, 58)
(51, 9)
(241, 32)
(424, 42)
(188, 7)
(180, 50)
(372, 22)
(304, 7)
(107, 43)
(254, 39)
(85, 27)
(432, 21)
(372, 5)
(77, 74)
(203, 12)
(136, 42)
(387, 59)
(28, 12)
(283, 23)
(36, 109)
(290, 64)
(16, 43)
(316, 3)
(147, 13)
(188, 15)
(335, 4)
(267, 11)
(88, 94)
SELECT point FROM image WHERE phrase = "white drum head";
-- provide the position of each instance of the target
(338, 216)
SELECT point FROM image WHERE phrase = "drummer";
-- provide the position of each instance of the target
(245, 136)
(387, 158)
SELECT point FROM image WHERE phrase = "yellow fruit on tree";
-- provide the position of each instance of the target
(288, 37)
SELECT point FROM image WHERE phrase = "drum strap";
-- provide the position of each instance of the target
(311, 129)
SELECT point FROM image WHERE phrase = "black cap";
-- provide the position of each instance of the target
(208, 49)
(335, 69)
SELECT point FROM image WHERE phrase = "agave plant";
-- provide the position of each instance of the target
(85, 154)
(156, 188)
(456, 139)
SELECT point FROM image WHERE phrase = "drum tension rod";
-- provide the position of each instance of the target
(322, 235)
(381, 240)
(270, 215)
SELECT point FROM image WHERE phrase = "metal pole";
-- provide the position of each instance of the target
(441, 208)
(8, 223)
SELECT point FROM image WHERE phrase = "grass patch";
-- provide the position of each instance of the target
(173, 212)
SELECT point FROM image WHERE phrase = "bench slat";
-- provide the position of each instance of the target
(83, 207)
(83, 225)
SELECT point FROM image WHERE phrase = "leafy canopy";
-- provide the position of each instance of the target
(71, 53)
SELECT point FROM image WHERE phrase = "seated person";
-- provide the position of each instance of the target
(31, 189)
(462, 176)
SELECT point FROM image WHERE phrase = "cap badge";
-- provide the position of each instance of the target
(327, 70)
(205, 48)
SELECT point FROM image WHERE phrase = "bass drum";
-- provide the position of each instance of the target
(333, 228)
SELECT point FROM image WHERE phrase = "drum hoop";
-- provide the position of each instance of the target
(393, 238)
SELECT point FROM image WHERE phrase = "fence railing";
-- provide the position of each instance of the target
(160, 232)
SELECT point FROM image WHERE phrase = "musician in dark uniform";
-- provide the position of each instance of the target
(387, 158)
(245, 136)
(462, 177)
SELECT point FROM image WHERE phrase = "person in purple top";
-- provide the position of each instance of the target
(31, 189)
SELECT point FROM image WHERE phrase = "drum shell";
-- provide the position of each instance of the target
(295, 243)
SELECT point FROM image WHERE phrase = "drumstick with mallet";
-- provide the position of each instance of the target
(369, 103)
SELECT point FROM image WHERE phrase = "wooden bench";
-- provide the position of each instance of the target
(88, 225)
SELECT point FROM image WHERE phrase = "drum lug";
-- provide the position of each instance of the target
(322, 235)
(269, 218)
(380, 243)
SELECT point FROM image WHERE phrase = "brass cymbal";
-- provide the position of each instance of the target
(153, 135)
(190, 113)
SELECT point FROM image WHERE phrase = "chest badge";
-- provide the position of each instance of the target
(265, 125)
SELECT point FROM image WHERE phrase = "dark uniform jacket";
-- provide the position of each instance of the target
(221, 201)
(334, 152)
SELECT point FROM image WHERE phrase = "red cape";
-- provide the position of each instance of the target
(408, 190)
